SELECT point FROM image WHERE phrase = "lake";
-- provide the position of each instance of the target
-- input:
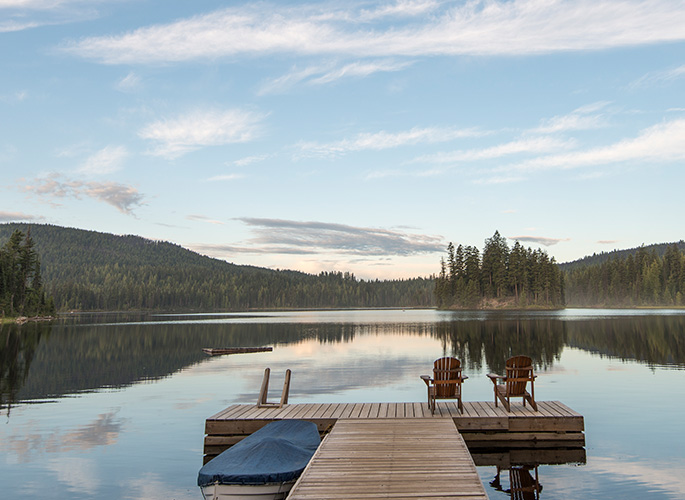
(112, 406)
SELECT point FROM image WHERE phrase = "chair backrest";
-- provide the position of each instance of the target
(447, 375)
(519, 373)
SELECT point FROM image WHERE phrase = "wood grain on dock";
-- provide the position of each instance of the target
(391, 458)
(482, 425)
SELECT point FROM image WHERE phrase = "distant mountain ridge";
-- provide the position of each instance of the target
(89, 270)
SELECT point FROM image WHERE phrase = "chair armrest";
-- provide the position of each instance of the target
(427, 379)
(464, 378)
(494, 377)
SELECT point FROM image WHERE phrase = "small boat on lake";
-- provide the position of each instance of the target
(217, 351)
(264, 465)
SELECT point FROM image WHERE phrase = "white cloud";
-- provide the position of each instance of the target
(128, 83)
(401, 8)
(530, 145)
(583, 118)
(485, 27)
(541, 240)
(659, 77)
(35, 4)
(226, 177)
(109, 159)
(319, 75)
(203, 218)
(18, 15)
(249, 160)
(660, 143)
(183, 134)
(377, 141)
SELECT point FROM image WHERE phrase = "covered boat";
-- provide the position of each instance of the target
(264, 465)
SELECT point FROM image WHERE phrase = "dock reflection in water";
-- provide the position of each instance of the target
(516, 472)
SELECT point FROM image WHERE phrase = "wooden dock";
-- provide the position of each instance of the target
(364, 458)
(482, 425)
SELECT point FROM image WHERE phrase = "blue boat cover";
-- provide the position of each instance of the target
(276, 453)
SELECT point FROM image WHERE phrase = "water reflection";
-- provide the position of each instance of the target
(524, 483)
(39, 361)
(517, 472)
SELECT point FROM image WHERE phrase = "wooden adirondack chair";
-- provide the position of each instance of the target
(445, 383)
(519, 371)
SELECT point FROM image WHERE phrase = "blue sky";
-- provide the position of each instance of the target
(349, 136)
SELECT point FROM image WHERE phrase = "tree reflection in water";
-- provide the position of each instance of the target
(43, 360)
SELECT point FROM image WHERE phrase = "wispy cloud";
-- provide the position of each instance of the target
(541, 240)
(109, 159)
(377, 141)
(583, 118)
(249, 160)
(319, 75)
(18, 15)
(177, 136)
(400, 8)
(519, 146)
(128, 83)
(277, 236)
(659, 77)
(659, 143)
(479, 27)
(123, 198)
(17, 216)
(607, 242)
(226, 177)
(202, 218)
(15, 97)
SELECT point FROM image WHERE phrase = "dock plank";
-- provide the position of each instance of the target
(391, 458)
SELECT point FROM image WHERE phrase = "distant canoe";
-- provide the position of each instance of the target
(217, 351)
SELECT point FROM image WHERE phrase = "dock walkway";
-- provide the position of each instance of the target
(391, 458)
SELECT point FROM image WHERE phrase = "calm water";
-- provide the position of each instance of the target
(113, 406)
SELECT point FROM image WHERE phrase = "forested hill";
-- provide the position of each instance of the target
(87, 270)
(645, 277)
(659, 250)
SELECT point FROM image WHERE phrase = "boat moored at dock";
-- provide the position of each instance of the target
(264, 465)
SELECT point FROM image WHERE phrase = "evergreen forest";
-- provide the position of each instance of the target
(92, 271)
(642, 278)
(21, 282)
(499, 277)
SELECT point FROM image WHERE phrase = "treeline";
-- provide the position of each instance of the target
(87, 270)
(600, 258)
(644, 278)
(500, 277)
(21, 283)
